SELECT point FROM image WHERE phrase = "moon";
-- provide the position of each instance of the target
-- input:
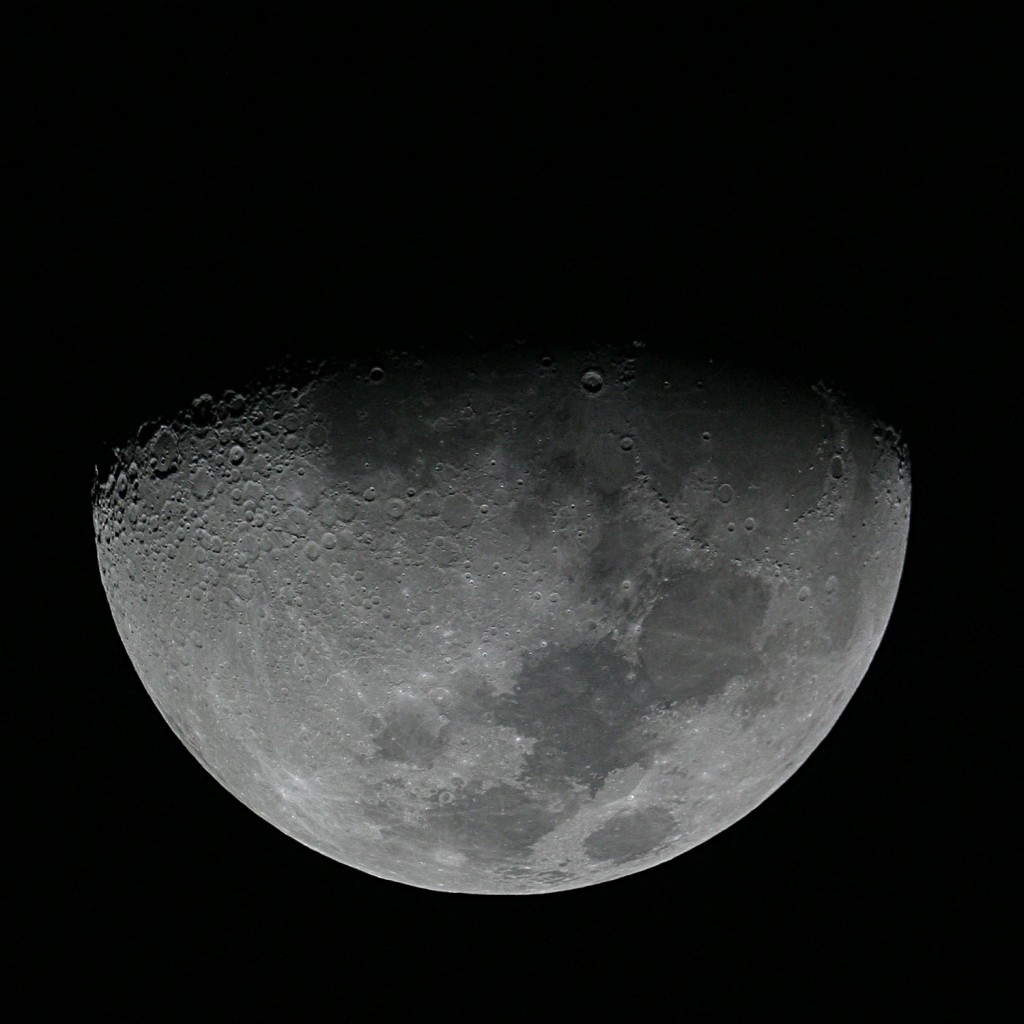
(517, 623)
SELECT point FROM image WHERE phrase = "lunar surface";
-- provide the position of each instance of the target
(521, 623)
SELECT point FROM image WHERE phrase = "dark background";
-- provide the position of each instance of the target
(198, 193)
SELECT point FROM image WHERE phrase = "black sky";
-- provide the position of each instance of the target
(199, 193)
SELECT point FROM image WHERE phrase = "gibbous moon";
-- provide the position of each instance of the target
(518, 623)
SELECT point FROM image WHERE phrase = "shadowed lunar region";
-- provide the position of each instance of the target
(519, 623)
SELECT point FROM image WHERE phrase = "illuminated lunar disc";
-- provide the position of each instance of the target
(511, 624)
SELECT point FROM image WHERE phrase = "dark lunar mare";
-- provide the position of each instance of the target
(580, 706)
(630, 834)
(700, 634)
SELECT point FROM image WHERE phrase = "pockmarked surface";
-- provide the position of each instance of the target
(513, 625)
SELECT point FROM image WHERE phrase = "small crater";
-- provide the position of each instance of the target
(458, 511)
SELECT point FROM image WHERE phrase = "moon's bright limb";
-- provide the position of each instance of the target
(512, 626)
